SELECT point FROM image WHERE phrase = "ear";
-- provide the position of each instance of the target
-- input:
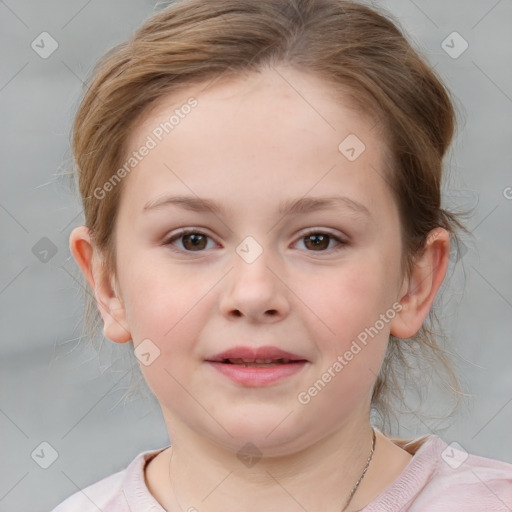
(110, 306)
(420, 289)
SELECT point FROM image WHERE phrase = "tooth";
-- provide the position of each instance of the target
(263, 360)
(260, 365)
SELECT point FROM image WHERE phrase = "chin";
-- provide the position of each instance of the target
(268, 434)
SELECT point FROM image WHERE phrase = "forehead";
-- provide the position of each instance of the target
(276, 131)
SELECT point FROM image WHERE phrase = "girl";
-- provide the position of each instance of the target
(261, 184)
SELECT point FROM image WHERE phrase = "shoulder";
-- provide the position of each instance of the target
(444, 477)
(124, 491)
(105, 494)
(468, 481)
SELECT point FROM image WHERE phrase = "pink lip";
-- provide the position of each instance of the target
(266, 352)
(257, 376)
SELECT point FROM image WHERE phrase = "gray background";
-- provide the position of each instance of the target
(56, 389)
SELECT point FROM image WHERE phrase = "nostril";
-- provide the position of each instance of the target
(271, 312)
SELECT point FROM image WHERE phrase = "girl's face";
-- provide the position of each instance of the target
(293, 243)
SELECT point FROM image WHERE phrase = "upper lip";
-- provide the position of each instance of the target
(250, 354)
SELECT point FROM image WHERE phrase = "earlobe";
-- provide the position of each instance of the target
(423, 284)
(108, 300)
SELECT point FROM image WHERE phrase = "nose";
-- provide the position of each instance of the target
(255, 291)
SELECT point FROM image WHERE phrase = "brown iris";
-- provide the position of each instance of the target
(317, 241)
(194, 241)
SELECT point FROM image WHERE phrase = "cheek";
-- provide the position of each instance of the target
(347, 300)
(169, 311)
(350, 332)
(169, 306)
(158, 297)
(350, 302)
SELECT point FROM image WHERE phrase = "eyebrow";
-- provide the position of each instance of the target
(290, 207)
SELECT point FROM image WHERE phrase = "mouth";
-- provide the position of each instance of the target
(260, 356)
(263, 363)
(257, 366)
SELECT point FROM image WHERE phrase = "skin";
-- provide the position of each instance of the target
(251, 143)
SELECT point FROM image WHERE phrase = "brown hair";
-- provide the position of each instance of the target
(357, 50)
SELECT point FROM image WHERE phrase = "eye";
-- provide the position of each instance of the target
(320, 241)
(191, 240)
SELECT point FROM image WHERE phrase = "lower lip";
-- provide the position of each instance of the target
(255, 376)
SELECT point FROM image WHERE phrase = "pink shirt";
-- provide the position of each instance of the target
(439, 478)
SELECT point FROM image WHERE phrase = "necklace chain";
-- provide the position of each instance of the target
(352, 492)
(370, 457)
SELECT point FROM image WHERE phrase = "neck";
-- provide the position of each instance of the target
(203, 476)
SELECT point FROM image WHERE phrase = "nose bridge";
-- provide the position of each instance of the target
(254, 288)
(253, 272)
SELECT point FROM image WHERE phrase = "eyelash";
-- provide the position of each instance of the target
(190, 231)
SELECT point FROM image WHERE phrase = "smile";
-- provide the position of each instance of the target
(256, 362)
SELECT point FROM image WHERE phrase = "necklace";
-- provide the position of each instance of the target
(352, 492)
